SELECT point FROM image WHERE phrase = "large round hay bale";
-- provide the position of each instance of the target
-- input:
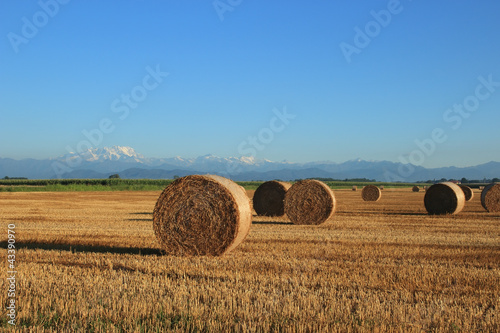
(268, 199)
(309, 202)
(444, 198)
(202, 215)
(490, 197)
(469, 194)
(371, 193)
(415, 188)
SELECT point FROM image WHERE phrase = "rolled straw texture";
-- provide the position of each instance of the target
(371, 193)
(202, 215)
(444, 198)
(469, 194)
(268, 199)
(309, 202)
(490, 197)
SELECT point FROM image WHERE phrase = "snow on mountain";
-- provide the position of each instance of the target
(118, 159)
(115, 153)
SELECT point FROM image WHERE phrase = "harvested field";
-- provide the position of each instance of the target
(89, 261)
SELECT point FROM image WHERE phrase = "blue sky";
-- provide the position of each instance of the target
(233, 66)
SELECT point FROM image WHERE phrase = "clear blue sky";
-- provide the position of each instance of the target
(63, 70)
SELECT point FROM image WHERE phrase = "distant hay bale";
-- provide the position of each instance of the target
(444, 198)
(269, 197)
(469, 194)
(381, 187)
(309, 202)
(481, 188)
(415, 189)
(371, 193)
(354, 188)
(202, 215)
(490, 197)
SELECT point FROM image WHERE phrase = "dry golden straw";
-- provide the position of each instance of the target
(444, 198)
(309, 202)
(202, 215)
(490, 197)
(371, 193)
(415, 189)
(469, 194)
(268, 199)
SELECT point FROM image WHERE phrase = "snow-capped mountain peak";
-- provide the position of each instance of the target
(115, 153)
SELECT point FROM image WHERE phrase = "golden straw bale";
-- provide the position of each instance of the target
(309, 202)
(202, 215)
(269, 197)
(444, 198)
(371, 193)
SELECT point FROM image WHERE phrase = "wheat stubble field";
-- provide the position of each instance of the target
(89, 261)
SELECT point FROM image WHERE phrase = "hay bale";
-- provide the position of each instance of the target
(444, 198)
(354, 188)
(371, 193)
(490, 197)
(309, 202)
(415, 189)
(467, 192)
(202, 215)
(381, 187)
(269, 197)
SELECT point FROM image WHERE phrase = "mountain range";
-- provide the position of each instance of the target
(125, 161)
